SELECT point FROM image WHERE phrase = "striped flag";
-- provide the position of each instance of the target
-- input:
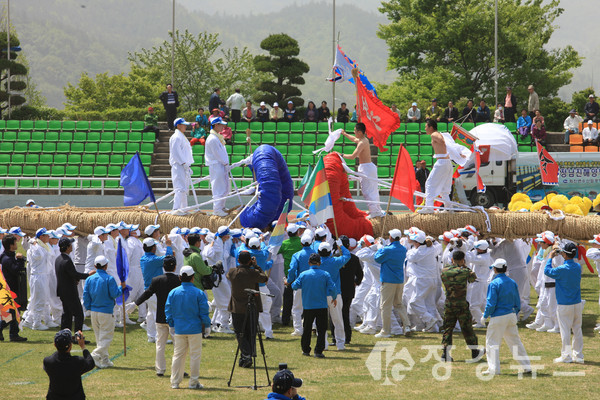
(317, 197)
(304, 181)
(279, 231)
(7, 301)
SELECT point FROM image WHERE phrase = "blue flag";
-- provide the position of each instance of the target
(122, 270)
(135, 183)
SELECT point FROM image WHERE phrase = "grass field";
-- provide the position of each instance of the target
(342, 375)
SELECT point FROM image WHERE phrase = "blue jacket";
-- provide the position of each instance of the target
(316, 285)
(523, 121)
(261, 260)
(277, 396)
(100, 291)
(186, 309)
(333, 266)
(502, 297)
(568, 281)
(391, 258)
(152, 266)
(299, 263)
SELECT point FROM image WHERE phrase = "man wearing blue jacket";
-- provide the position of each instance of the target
(503, 306)
(391, 258)
(568, 298)
(298, 265)
(317, 287)
(186, 310)
(332, 265)
(99, 294)
(152, 266)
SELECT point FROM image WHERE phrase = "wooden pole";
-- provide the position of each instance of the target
(387, 211)
(355, 76)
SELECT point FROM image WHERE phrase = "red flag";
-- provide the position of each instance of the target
(404, 183)
(548, 167)
(379, 119)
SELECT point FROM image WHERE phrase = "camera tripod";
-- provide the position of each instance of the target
(251, 321)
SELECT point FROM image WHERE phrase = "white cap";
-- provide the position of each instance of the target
(414, 104)
(500, 263)
(254, 243)
(367, 240)
(100, 260)
(446, 237)
(321, 232)
(111, 227)
(590, 122)
(472, 229)
(186, 270)
(149, 242)
(248, 234)
(595, 240)
(99, 230)
(210, 237)
(546, 237)
(395, 233)
(352, 243)
(195, 230)
(175, 231)
(290, 102)
(54, 235)
(15, 230)
(29, 201)
(2, 230)
(481, 245)
(223, 230)
(276, 104)
(418, 237)
(68, 226)
(292, 228)
(150, 229)
(64, 231)
(257, 231)
(412, 229)
(324, 246)
(204, 231)
(262, 103)
(306, 238)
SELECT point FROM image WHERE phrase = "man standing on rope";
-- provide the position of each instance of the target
(181, 159)
(368, 184)
(217, 160)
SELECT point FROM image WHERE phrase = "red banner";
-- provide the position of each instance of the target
(548, 167)
(379, 119)
(404, 183)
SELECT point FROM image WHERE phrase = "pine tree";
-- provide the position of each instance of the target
(18, 73)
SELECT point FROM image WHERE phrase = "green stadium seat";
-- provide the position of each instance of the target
(322, 137)
(114, 171)
(100, 171)
(35, 147)
(442, 127)
(298, 127)
(310, 127)
(401, 129)
(46, 158)
(65, 137)
(133, 148)
(68, 126)
(93, 137)
(294, 150)
(148, 137)
(127, 157)
(239, 149)
(267, 138)
(256, 127)
(412, 139)
(24, 136)
(413, 150)
(269, 127)
(82, 126)
(525, 149)
(54, 125)
(338, 148)
(4, 159)
(292, 160)
(20, 147)
(121, 137)
(43, 170)
(350, 126)
(512, 126)
(72, 170)
(283, 150)
(398, 138)
(38, 136)
(338, 125)
(383, 172)
(147, 159)
(196, 172)
(105, 148)
(523, 139)
(307, 150)
(469, 125)
(74, 159)
(425, 150)
(60, 159)
(383, 160)
(229, 150)
(90, 148)
(322, 127)
(237, 172)
(282, 138)
(424, 139)
(27, 183)
(18, 159)
(307, 159)
(117, 159)
(239, 138)
(429, 160)
(86, 171)
(102, 159)
(9, 136)
(294, 171)
(57, 170)
(295, 138)
(119, 148)
(77, 147)
(123, 126)
(88, 159)
(110, 126)
(148, 148)
(108, 136)
(283, 127)
(12, 125)
(241, 127)
(15, 170)
(309, 138)
(70, 184)
(48, 147)
(137, 126)
(2, 125)
(135, 137)
(51, 137)
(96, 126)
(412, 127)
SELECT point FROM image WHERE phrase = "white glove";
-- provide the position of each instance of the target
(207, 332)
(339, 243)
(482, 321)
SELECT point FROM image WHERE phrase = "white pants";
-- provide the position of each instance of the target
(53, 300)
(275, 285)
(439, 182)
(569, 320)
(219, 184)
(162, 334)
(221, 295)
(264, 317)
(422, 303)
(180, 175)
(391, 301)
(104, 329)
(357, 305)
(548, 306)
(372, 304)
(297, 311)
(476, 295)
(521, 277)
(38, 303)
(370, 187)
(338, 321)
(151, 317)
(183, 343)
(504, 327)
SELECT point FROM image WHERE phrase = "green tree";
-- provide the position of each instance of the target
(458, 36)
(285, 69)
(199, 67)
(18, 74)
(579, 99)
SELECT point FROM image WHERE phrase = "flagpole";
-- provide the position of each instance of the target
(124, 319)
(333, 59)
(387, 210)
(355, 76)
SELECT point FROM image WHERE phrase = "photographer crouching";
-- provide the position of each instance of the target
(65, 370)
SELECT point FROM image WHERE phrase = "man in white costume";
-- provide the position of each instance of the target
(479, 261)
(216, 158)
(180, 159)
(593, 253)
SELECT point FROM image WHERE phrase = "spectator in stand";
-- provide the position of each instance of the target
(590, 134)
(450, 113)
(215, 101)
(289, 114)
(591, 109)
(483, 112)
(276, 113)
(170, 101)
(324, 112)
(533, 103)
(311, 114)
(413, 114)
(422, 173)
(262, 113)
(538, 131)
(524, 123)
(343, 113)
(354, 117)
(201, 119)
(248, 114)
(216, 112)
(151, 122)
(571, 124)
(499, 113)
(537, 115)
(510, 105)
(469, 112)
(225, 112)
(394, 109)
(199, 133)
(235, 102)
(433, 112)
